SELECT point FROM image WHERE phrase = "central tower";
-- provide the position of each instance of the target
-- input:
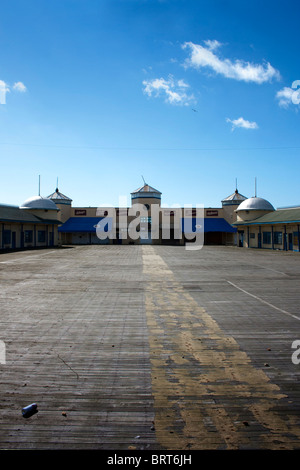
(146, 195)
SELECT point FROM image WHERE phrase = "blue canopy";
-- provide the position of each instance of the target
(213, 224)
(85, 224)
(218, 225)
(189, 225)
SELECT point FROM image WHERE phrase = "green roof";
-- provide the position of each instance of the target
(15, 214)
(280, 216)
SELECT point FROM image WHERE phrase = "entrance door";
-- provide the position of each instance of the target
(13, 240)
(145, 232)
(241, 238)
(291, 241)
(259, 240)
(145, 238)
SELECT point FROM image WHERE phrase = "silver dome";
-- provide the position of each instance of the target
(256, 204)
(38, 202)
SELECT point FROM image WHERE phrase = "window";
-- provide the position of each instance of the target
(296, 239)
(28, 236)
(6, 237)
(41, 236)
(278, 238)
(267, 238)
(146, 220)
(252, 235)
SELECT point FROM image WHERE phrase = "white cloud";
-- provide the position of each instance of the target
(241, 122)
(212, 45)
(5, 88)
(238, 70)
(173, 90)
(287, 95)
(19, 86)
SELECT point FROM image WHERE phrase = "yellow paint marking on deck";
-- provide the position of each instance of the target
(206, 390)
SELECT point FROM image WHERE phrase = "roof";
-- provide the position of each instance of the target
(211, 224)
(10, 213)
(146, 189)
(255, 203)
(58, 196)
(235, 198)
(290, 207)
(39, 202)
(84, 224)
(280, 216)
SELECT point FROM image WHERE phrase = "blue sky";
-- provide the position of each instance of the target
(191, 95)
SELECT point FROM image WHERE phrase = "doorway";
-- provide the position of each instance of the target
(291, 242)
(241, 238)
(13, 240)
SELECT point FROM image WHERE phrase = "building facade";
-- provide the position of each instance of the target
(244, 222)
(157, 224)
(259, 225)
(34, 224)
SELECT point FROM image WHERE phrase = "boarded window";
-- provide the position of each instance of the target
(28, 236)
(278, 238)
(267, 238)
(6, 237)
(41, 236)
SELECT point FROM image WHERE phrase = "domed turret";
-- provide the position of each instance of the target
(39, 203)
(255, 203)
(253, 208)
(41, 207)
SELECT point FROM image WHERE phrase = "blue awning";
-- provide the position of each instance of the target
(85, 224)
(189, 225)
(214, 224)
(218, 225)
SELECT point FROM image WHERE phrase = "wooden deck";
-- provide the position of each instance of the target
(150, 348)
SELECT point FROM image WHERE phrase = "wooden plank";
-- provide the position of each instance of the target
(149, 347)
